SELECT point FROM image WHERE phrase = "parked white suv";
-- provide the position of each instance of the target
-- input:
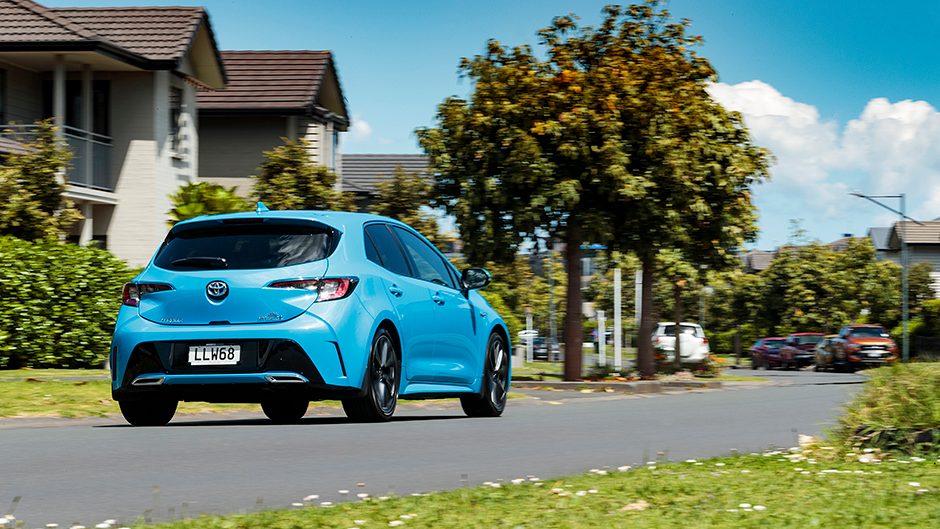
(693, 345)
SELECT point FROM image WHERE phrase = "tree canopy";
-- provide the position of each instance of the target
(289, 180)
(34, 206)
(612, 138)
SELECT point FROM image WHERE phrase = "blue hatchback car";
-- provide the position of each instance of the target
(285, 307)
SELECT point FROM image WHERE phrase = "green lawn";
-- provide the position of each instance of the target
(739, 492)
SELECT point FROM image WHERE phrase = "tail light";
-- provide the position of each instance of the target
(328, 288)
(705, 341)
(134, 291)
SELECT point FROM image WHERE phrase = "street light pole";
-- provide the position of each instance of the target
(905, 346)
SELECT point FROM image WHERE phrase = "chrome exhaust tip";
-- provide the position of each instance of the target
(284, 379)
(148, 381)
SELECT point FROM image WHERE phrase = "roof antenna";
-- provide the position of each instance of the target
(261, 208)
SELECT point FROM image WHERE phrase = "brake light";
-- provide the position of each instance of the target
(132, 292)
(328, 288)
(705, 340)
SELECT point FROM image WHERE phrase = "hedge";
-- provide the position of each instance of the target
(58, 303)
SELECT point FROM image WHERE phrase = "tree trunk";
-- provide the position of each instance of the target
(677, 317)
(574, 327)
(644, 356)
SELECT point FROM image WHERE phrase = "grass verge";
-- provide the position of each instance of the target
(749, 491)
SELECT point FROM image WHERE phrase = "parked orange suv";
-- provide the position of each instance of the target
(861, 345)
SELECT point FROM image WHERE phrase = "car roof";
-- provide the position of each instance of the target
(680, 323)
(341, 220)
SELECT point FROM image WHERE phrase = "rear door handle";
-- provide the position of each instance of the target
(397, 292)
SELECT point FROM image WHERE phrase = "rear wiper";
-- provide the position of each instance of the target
(202, 262)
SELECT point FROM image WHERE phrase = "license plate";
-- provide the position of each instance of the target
(874, 355)
(214, 355)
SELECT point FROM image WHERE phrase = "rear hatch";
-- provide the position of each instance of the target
(222, 271)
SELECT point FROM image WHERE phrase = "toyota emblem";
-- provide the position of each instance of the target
(217, 290)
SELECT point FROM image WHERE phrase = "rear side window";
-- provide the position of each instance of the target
(430, 265)
(387, 250)
(242, 247)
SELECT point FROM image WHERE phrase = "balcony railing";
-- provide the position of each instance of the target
(91, 154)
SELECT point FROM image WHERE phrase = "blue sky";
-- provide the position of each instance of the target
(845, 93)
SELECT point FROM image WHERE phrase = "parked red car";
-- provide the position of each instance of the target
(766, 352)
(799, 349)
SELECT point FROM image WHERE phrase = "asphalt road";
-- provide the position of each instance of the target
(89, 471)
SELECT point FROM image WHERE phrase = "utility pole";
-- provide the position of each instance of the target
(902, 216)
(618, 323)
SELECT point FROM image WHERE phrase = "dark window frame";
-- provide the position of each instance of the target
(404, 255)
(434, 251)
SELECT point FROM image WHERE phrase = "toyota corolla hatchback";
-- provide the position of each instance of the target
(285, 307)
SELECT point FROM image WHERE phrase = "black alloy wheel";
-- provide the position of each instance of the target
(382, 379)
(150, 412)
(494, 388)
(283, 410)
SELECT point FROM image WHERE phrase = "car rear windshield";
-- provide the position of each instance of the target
(241, 247)
(670, 330)
(803, 340)
(875, 332)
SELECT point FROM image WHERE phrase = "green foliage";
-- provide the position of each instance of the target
(401, 197)
(202, 198)
(612, 137)
(288, 180)
(33, 206)
(898, 410)
(59, 303)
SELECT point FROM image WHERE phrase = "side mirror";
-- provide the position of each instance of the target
(474, 278)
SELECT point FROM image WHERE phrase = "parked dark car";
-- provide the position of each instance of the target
(825, 359)
(862, 345)
(766, 352)
(799, 349)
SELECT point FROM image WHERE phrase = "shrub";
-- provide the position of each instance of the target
(59, 303)
(898, 410)
(202, 198)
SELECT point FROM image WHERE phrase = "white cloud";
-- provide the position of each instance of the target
(359, 129)
(890, 148)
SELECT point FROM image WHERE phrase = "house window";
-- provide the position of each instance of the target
(335, 150)
(3, 96)
(176, 112)
(100, 103)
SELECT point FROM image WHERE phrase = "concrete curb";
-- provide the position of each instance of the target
(645, 386)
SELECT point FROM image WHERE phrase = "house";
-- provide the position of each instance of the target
(755, 261)
(363, 172)
(270, 95)
(923, 245)
(121, 84)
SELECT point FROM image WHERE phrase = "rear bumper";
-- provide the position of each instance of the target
(300, 356)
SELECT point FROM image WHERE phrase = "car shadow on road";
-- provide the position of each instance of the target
(183, 423)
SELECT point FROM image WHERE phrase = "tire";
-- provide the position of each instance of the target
(816, 368)
(285, 410)
(494, 388)
(381, 380)
(151, 412)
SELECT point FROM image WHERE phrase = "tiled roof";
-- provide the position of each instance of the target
(269, 80)
(157, 33)
(22, 21)
(923, 233)
(361, 172)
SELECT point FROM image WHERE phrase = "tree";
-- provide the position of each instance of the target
(202, 198)
(288, 180)
(30, 181)
(401, 197)
(612, 137)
